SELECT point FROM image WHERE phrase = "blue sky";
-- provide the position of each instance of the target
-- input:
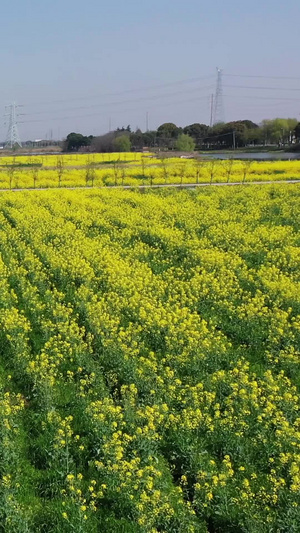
(75, 65)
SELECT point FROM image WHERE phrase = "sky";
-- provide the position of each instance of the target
(90, 66)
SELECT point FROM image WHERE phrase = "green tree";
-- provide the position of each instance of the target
(223, 135)
(185, 143)
(74, 141)
(279, 130)
(297, 132)
(197, 131)
(168, 130)
(122, 144)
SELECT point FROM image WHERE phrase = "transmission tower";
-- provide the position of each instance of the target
(219, 106)
(13, 137)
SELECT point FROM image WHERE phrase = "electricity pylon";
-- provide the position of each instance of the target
(219, 106)
(13, 138)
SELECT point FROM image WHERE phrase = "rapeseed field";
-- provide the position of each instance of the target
(135, 169)
(149, 364)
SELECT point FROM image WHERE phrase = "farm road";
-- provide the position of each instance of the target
(157, 186)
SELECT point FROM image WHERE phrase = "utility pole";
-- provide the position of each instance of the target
(147, 121)
(13, 137)
(233, 139)
(211, 110)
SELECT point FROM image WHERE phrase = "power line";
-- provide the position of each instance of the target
(153, 87)
(121, 102)
(128, 91)
(155, 97)
(245, 106)
(262, 97)
(218, 135)
(261, 87)
(176, 102)
(263, 77)
(206, 97)
(218, 108)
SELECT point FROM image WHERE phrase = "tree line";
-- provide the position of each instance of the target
(238, 134)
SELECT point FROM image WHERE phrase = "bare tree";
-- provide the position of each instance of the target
(199, 167)
(228, 164)
(123, 174)
(164, 167)
(182, 171)
(212, 169)
(90, 171)
(60, 167)
(151, 176)
(143, 162)
(11, 170)
(116, 170)
(35, 173)
(246, 168)
(34, 170)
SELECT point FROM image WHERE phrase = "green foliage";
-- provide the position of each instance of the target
(220, 136)
(122, 143)
(278, 130)
(185, 143)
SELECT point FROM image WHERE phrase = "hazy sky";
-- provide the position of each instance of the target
(75, 65)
